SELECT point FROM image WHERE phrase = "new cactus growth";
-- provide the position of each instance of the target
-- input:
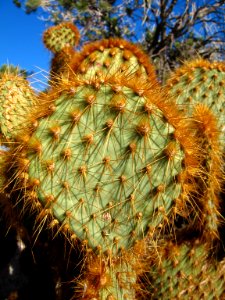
(61, 40)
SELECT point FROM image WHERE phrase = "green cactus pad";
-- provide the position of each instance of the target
(186, 272)
(109, 57)
(200, 81)
(105, 161)
(16, 100)
(199, 87)
(57, 37)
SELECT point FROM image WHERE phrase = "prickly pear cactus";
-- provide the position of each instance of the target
(199, 87)
(201, 81)
(110, 159)
(186, 271)
(60, 36)
(113, 279)
(106, 58)
(16, 100)
(61, 40)
(105, 159)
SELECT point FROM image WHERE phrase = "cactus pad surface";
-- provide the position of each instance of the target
(109, 57)
(104, 161)
(187, 272)
(201, 81)
(16, 100)
(57, 37)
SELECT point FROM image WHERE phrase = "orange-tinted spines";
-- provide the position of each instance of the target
(211, 172)
(113, 277)
(189, 65)
(105, 54)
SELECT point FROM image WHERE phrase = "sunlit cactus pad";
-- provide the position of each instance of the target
(186, 272)
(16, 100)
(108, 57)
(106, 161)
(57, 37)
(200, 81)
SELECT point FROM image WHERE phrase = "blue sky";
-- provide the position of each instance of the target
(21, 41)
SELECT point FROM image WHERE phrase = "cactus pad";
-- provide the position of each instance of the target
(104, 161)
(57, 37)
(109, 57)
(201, 81)
(16, 100)
(186, 272)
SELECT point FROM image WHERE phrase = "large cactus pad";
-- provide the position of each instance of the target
(106, 160)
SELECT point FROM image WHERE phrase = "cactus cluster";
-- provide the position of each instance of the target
(111, 158)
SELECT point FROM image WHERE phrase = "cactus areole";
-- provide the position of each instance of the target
(104, 161)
